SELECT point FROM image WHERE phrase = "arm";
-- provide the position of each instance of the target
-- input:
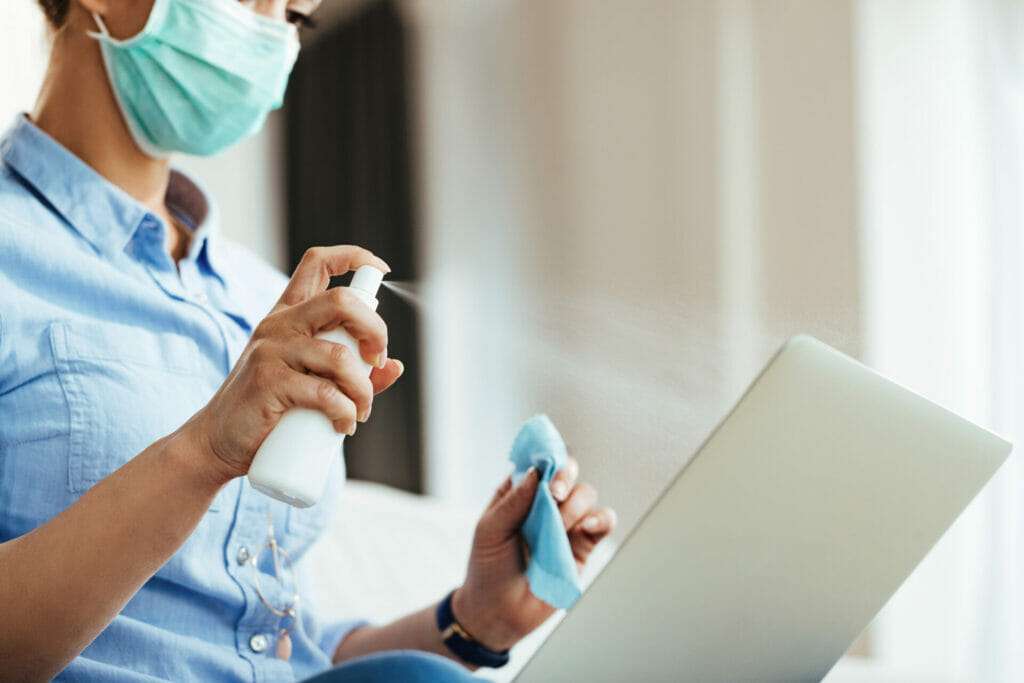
(61, 584)
(495, 604)
(416, 631)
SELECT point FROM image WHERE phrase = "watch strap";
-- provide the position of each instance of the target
(461, 643)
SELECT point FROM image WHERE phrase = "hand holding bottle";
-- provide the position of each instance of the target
(285, 366)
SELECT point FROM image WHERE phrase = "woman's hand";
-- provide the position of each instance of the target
(284, 366)
(495, 604)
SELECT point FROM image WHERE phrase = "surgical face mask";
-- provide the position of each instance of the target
(200, 76)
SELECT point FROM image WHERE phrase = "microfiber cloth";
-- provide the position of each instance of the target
(551, 570)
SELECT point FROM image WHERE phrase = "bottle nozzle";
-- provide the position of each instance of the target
(367, 279)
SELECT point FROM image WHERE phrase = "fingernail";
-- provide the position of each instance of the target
(364, 415)
(401, 367)
(351, 430)
(382, 359)
(559, 490)
(530, 473)
(591, 523)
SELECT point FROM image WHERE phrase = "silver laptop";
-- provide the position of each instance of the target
(780, 540)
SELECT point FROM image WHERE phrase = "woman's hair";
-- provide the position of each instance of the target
(56, 11)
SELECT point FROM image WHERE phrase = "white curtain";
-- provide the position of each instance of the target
(941, 110)
(1004, 600)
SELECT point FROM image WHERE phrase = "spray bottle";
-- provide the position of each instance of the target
(293, 462)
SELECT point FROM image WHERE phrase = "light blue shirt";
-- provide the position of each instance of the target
(106, 346)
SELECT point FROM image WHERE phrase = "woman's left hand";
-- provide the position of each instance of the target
(495, 604)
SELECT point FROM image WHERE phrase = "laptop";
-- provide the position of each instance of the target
(783, 537)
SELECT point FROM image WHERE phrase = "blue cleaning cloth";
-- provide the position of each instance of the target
(551, 570)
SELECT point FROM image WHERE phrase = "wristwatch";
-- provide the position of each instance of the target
(461, 643)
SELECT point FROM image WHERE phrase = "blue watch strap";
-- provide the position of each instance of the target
(461, 643)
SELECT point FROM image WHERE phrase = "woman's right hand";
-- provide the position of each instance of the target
(285, 366)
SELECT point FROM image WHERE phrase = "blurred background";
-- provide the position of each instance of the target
(614, 212)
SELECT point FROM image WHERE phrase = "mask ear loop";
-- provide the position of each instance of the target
(103, 33)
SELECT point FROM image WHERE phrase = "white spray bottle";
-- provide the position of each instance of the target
(293, 462)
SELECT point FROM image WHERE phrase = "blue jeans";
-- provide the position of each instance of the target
(407, 666)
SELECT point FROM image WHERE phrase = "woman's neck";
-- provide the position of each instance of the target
(77, 108)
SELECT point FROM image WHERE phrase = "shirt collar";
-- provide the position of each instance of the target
(101, 212)
(190, 202)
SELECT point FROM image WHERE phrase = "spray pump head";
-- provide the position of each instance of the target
(367, 279)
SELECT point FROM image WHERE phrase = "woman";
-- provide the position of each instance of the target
(143, 359)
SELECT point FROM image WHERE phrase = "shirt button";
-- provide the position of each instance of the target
(259, 643)
(243, 555)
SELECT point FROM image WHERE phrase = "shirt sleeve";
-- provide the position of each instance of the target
(333, 633)
(3, 354)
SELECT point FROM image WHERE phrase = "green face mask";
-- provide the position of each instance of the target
(200, 76)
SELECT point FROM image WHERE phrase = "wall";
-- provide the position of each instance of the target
(628, 206)
(23, 48)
